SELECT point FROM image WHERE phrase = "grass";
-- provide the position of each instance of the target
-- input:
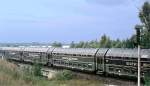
(11, 75)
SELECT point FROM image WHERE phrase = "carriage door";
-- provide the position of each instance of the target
(101, 60)
(100, 65)
(49, 56)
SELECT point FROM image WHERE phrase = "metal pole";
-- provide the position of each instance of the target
(139, 66)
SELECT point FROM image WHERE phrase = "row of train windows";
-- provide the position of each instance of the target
(72, 54)
(74, 64)
(121, 58)
(126, 63)
(126, 58)
(53, 54)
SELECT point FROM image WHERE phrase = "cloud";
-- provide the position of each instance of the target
(108, 2)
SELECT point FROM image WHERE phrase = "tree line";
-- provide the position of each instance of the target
(106, 42)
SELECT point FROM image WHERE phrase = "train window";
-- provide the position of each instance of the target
(77, 55)
(80, 65)
(127, 58)
(84, 55)
(62, 62)
(133, 72)
(116, 58)
(118, 62)
(73, 54)
(89, 55)
(84, 65)
(126, 71)
(90, 66)
(142, 63)
(110, 62)
(74, 64)
(109, 57)
(111, 69)
(70, 63)
(148, 59)
(57, 53)
(65, 63)
(133, 59)
(54, 62)
(65, 54)
(57, 62)
(144, 59)
(128, 63)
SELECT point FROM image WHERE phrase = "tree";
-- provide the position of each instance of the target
(80, 44)
(72, 45)
(116, 44)
(86, 45)
(93, 44)
(56, 44)
(105, 42)
(144, 16)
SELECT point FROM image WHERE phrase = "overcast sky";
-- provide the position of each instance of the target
(67, 20)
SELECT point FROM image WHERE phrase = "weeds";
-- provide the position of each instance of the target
(64, 75)
(11, 75)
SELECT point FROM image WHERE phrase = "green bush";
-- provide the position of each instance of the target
(64, 75)
(37, 69)
(147, 79)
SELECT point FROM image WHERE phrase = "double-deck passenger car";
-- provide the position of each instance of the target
(124, 62)
(75, 58)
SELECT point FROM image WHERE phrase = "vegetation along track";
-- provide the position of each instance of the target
(50, 72)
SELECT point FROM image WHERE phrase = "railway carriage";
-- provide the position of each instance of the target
(145, 62)
(36, 54)
(13, 53)
(75, 58)
(123, 62)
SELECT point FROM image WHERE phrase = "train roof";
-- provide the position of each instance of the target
(11, 48)
(114, 52)
(80, 51)
(124, 52)
(27, 49)
(30, 49)
(101, 52)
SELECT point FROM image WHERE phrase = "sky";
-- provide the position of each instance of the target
(67, 20)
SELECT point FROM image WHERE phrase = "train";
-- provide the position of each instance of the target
(112, 61)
